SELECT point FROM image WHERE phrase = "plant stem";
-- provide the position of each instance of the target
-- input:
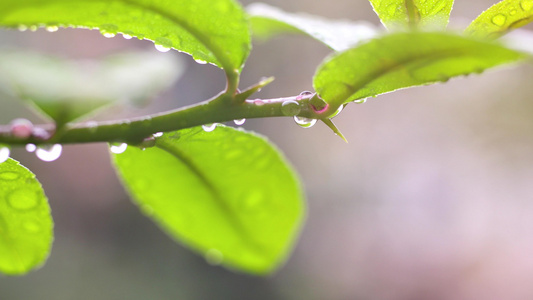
(222, 108)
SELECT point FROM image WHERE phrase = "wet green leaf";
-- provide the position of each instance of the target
(26, 226)
(212, 31)
(502, 18)
(66, 90)
(268, 21)
(227, 194)
(404, 14)
(402, 60)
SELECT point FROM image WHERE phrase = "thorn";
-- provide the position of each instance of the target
(332, 126)
(242, 96)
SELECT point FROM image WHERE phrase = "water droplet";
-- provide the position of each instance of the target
(239, 122)
(209, 127)
(109, 30)
(22, 27)
(92, 126)
(31, 227)
(49, 152)
(127, 36)
(499, 19)
(303, 94)
(21, 128)
(4, 153)
(526, 5)
(290, 108)
(162, 48)
(118, 148)
(31, 148)
(163, 44)
(338, 111)
(40, 133)
(158, 134)
(22, 199)
(9, 176)
(254, 201)
(513, 12)
(214, 257)
(259, 102)
(304, 122)
(200, 61)
(33, 28)
(52, 28)
(360, 101)
(147, 209)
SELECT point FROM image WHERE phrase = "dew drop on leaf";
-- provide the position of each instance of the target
(52, 28)
(31, 147)
(158, 134)
(259, 102)
(200, 61)
(163, 44)
(360, 101)
(239, 122)
(526, 5)
(23, 199)
(290, 108)
(108, 30)
(304, 122)
(499, 20)
(209, 127)
(118, 148)
(31, 227)
(22, 27)
(9, 176)
(49, 152)
(4, 153)
(214, 257)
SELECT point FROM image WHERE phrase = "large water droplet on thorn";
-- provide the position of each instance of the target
(304, 122)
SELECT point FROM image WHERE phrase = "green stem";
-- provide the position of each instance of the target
(222, 108)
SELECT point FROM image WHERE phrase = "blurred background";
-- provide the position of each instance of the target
(431, 199)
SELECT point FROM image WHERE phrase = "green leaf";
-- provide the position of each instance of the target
(268, 21)
(402, 60)
(66, 90)
(227, 194)
(502, 18)
(214, 31)
(405, 14)
(26, 226)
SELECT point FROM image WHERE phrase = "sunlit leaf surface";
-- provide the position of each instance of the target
(213, 31)
(402, 60)
(268, 21)
(26, 226)
(502, 18)
(66, 90)
(227, 194)
(403, 14)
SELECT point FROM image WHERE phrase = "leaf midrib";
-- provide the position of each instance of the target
(234, 220)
